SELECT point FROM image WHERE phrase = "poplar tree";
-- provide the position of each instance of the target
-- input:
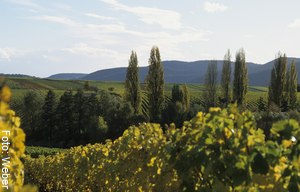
(293, 81)
(210, 85)
(226, 77)
(240, 80)
(186, 98)
(278, 81)
(132, 85)
(155, 85)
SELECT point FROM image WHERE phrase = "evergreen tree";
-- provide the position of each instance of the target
(293, 85)
(65, 120)
(226, 77)
(155, 85)
(240, 81)
(210, 85)
(278, 81)
(48, 116)
(132, 84)
(80, 115)
(31, 115)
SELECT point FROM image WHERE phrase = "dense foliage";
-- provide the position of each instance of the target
(222, 150)
(75, 118)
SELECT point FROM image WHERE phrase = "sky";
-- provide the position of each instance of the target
(42, 37)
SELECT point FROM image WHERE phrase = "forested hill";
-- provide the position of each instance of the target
(184, 72)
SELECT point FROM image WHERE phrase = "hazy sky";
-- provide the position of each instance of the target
(43, 37)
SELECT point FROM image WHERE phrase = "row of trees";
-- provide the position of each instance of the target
(154, 85)
(282, 90)
(240, 81)
(283, 84)
(74, 118)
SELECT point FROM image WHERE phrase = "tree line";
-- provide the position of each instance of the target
(74, 118)
(282, 90)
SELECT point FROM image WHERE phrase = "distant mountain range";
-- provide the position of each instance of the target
(181, 72)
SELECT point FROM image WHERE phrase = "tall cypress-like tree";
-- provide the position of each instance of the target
(226, 77)
(48, 116)
(293, 81)
(132, 84)
(240, 81)
(278, 81)
(186, 98)
(155, 85)
(210, 85)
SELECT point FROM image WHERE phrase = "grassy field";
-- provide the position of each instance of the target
(20, 86)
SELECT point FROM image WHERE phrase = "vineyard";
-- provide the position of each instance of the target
(222, 150)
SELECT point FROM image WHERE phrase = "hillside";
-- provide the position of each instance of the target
(180, 72)
(66, 76)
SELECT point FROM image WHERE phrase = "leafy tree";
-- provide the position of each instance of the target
(210, 85)
(278, 81)
(177, 94)
(155, 85)
(181, 94)
(226, 77)
(97, 129)
(115, 112)
(132, 84)
(293, 80)
(240, 80)
(48, 116)
(177, 109)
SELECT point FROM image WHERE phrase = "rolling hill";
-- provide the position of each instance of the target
(67, 76)
(181, 72)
